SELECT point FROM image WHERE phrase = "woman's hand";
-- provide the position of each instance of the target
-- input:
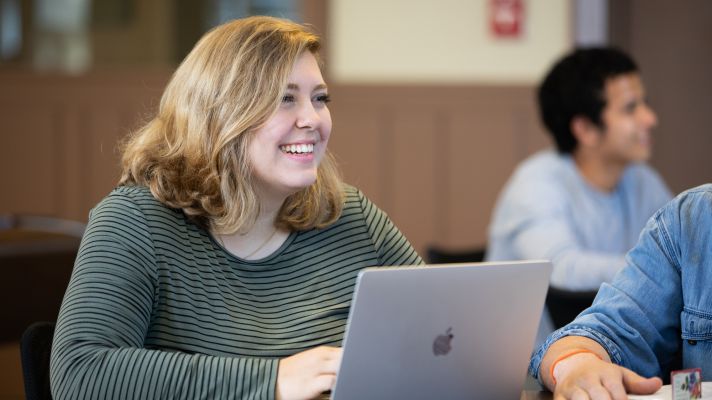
(307, 374)
(584, 376)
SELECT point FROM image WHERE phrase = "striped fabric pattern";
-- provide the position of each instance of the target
(156, 308)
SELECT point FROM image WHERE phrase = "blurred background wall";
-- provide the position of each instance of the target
(447, 41)
(433, 100)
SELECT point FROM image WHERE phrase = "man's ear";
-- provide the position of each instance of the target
(587, 133)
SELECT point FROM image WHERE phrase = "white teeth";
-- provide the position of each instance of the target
(297, 148)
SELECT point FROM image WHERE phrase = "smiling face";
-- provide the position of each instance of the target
(286, 151)
(627, 121)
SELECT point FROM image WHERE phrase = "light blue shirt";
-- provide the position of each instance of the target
(548, 211)
(661, 301)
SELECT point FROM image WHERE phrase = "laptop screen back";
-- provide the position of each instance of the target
(455, 331)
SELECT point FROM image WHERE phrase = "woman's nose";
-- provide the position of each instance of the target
(307, 116)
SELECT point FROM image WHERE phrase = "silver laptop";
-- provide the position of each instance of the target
(450, 331)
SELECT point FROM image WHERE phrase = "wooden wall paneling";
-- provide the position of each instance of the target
(108, 113)
(674, 58)
(102, 161)
(531, 134)
(28, 157)
(108, 124)
(434, 158)
(68, 127)
(443, 182)
(482, 153)
(72, 151)
(413, 180)
(475, 136)
(359, 141)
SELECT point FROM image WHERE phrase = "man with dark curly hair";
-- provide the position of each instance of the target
(584, 205)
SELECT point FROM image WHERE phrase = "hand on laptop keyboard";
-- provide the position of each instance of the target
(308, 374)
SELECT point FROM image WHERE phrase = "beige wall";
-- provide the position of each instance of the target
(406, 41)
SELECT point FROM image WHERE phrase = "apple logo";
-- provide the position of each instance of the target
(441, 345)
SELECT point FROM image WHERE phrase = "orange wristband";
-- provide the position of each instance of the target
(567, 355)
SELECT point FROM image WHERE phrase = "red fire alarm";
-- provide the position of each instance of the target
(506, 18)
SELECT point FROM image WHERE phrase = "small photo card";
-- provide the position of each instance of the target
(686, 384)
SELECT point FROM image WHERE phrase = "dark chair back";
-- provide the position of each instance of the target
(37, 256)
(437, 255)
(35, 348)
(565, 305)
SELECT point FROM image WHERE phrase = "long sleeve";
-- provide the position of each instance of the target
(660, 301)
(534, 221)
(549, 236)
(156, 308)
(548, 211)
(98, 349)
(636, 317)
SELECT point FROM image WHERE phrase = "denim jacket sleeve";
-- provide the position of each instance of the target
(636, 318)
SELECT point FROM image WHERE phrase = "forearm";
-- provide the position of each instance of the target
(576, 266)
(565, 346)
(89, 371)
(583, 270)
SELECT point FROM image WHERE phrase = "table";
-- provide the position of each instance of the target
(533, 390)
(536, 395)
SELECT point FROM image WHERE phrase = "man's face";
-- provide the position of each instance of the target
(627, 121)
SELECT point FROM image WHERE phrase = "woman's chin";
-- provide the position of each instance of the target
(298, 185)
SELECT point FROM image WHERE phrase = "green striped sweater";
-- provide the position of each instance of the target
(157, 309)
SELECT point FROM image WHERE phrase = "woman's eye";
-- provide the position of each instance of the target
(323, 98)
(288, 98)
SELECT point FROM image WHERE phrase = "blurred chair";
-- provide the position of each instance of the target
(38, 223)
(438, 255)
(565, 305)
(35, 348)
(36, 259)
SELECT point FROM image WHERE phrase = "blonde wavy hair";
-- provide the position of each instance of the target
(193, 154)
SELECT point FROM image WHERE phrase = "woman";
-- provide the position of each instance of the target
(223, 265)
